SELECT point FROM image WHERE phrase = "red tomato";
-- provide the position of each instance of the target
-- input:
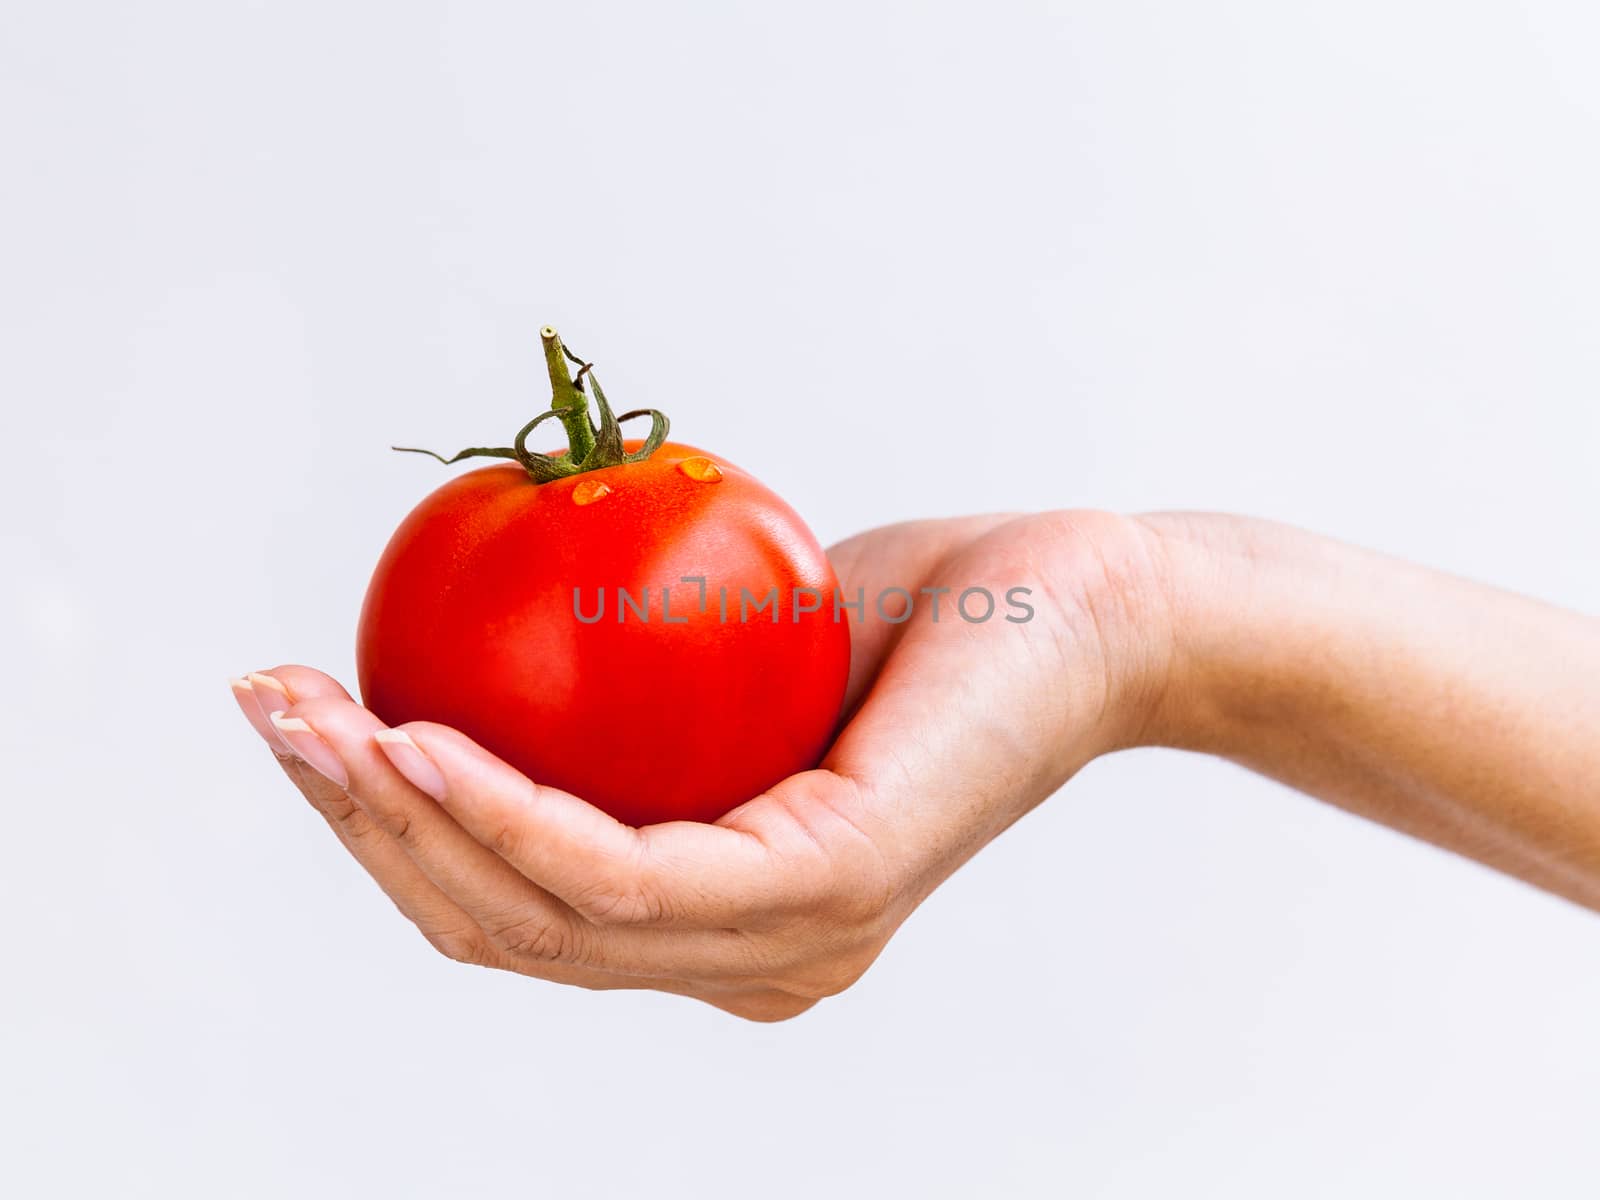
(679, 714)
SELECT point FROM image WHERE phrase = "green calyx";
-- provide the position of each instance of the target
(589, 446)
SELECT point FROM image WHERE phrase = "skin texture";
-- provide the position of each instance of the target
(1460, 714)
(678, 711)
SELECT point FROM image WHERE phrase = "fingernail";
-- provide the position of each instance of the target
(309, 746)
(244, 696)
(271, 697)
(410, 761)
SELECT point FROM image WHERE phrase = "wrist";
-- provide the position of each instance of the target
(1244, 599)
(1112, 578)
(1216, 573)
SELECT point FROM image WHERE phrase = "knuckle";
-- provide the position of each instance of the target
(504, 841)
(398, 826)
(607, 905)
(460, 945)
(536, 937)
(344, 814)
(332, 802)
(349, 824)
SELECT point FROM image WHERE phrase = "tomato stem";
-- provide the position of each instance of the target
(567, 398)
(589, 447)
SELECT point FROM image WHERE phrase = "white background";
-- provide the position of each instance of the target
(1334, 263)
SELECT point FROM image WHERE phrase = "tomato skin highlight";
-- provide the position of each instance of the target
(470, 621)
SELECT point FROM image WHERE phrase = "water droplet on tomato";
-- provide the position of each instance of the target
(590, 490)
(700, 469)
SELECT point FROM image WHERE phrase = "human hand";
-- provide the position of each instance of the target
(953, 730)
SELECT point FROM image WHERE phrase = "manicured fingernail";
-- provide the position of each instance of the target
(410, 761)
(266, 687)
(245, 697)
(309, 746)
(271, 697)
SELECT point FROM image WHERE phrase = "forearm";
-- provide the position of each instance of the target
(1464, 715)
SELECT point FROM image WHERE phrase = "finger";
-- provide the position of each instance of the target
(438, 918)
(446, 925)
(245, 697)
(336, 736)
(260, 694)
(522, 920)
(681, 874)
(442, 922)
(305, 683)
